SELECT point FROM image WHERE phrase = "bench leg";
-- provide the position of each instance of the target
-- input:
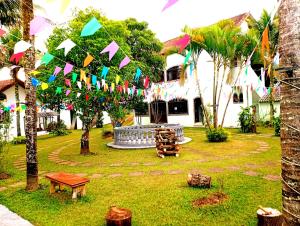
(83, 191)
(61, 187)
(52, 187)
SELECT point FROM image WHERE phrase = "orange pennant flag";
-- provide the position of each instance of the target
(265, 42)
(82, 76)
(88, 60)
(88, 81)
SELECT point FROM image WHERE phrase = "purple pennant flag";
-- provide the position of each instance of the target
(124, 62)
(68, 92)
(169, 4)
(112, 48)
(38, 24)
(68, 68)
(57, 70)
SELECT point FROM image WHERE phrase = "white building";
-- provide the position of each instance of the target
(181, 104)
(264, 105)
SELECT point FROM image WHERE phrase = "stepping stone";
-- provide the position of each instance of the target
(251, 165)
(233, 168)
(166, 163)
(254, 152)
(156, 172)
(251, 173)
(149, 163)
(195, 171)
(3, 188)
(175, 172)
(81, 174)
(18, 184)
(216, 170)
(73, 164)
(86, 164)
(115, 175)
(134, 163)
(201, 160)
(8, 218)
(272, 178)
(116, 164)
(136, 174)
(96, 175)
(270, 163)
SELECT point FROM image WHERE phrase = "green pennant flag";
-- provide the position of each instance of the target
(47, 58)
(187, 57)
(269, 90)
(74, 77)
(23, 107)
(58, 90)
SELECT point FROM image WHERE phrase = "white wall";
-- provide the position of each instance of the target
(264, 110)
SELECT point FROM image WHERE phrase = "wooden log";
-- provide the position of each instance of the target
(118, 217)
(269, 217)
(198, 180)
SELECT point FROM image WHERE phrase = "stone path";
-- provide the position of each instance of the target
(8, 218)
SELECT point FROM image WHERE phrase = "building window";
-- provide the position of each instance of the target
(238, 97)
(141, 109)
(178, 106)
(173, 73)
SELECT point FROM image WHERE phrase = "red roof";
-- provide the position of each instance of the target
(6, 84)
(276, 95)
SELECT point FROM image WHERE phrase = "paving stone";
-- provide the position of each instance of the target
(3, 188)
(174, 172)
(149, 163)
(166, 163)
(18, 184)
(251, 165)
(216, 170)
(115, 175)
(251, 173)
(81, 174)
(156, 172)
(135, 174)
(134, 163)
(272, 177)
(74, 164)
(201, 160)
(116, 164)
(233, 168)
(87, 164)
(8, 218)
(96, 175)
(255, 152)
(196, 171)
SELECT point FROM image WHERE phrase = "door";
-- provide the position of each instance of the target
(198, 110)
(158, 111)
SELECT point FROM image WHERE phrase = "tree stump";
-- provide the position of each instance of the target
(198, 180)
(118, 217)
(269, 217)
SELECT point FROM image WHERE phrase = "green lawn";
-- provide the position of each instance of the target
(163, 199)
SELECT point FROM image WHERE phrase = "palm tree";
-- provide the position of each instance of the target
(289, 30)
(30, 114)
(265, 24)
(9, 12)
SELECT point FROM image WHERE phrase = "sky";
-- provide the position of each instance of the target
(167, 24)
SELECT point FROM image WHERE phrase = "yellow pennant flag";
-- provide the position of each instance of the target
(82, 76)
(35, 72)
(88, 60)
(117, 79)
(113, 86)
(44, 86)
(105, 87)
(88, 81)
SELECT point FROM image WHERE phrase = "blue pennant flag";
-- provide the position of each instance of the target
(91, 27)
(94, 80)
(191, 68)
(104, 72)
(35, 82)
(51, 78)
(138, 74)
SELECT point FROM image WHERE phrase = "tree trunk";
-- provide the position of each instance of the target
(271, 100)
(85, 141)
(15, 77)
(58, 116)
(289, 45)
(215, 114)
(30, 92)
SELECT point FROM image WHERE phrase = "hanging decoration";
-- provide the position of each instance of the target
(68, 68)
(112, 48)
(124, 62)
(21, 46)
(68, 44)
(88, 60)
(38, 24)
(169, 4)
(91, 27)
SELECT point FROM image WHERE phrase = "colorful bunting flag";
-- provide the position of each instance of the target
(57, 70)
(68, 82)
(82, 75)
(187, 57)
(64, 5)
(191, 68)
(98, 85)
(34, 72)
(138, 74)
(94, 80)
(182, 43)
(78, 95)
(58, 90)
(44, 86)
(68, 44)
(16, 57)
(2, 32)
(35, 82)
(51, 78)
(112, 48)
(86, 97)
(147, 81)
(88, 60)
(74, 77)
(46, 59)
(126, 84)
(169, 4)
(124, 62)
(104, 72)
(38, 24)
(68, 68)
(91, 27)
(117, 79)
(79, 84)
(21, 46)
(68, 92)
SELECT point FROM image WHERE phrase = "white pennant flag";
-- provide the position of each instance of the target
(78, 95)
(79, 85)
(21, 47)
(67, 45)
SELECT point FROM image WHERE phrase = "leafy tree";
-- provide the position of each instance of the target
(89, 100)
(9, 12)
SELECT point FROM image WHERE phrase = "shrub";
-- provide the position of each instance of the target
(19, 140)
(276, 124)
(216, 135)
(58, 128)
(107, 134)
(247, 120)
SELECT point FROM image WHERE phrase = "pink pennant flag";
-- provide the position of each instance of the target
(2, 32)
(70, 107)
(124, 62)
(169, 4)
(68, 82)
(57, 70)
(38, 24)
(112, 48)
(68, 92)
(68, 68)
(182, 43)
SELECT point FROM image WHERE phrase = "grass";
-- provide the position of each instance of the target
(154, 200)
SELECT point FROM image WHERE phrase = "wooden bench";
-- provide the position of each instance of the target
(77, 183)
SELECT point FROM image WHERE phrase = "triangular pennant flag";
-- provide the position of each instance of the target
(191, 68)
(51, 78)
(38, 24)
(35, 82)
(44, 86)
(16, 57)
(124, 62)
(68, 92)
(70, 107)
(86, 97)
(89, 86)
(47, 58)
(169, 4)
(187, 57)
(74, 77)
(82, 76)
(182, 42)
(79, 85)
(78, 95)
(35, 72)
(112, 48)
(147, 81)
(104, 72)
(57, 70)
(117, 79)
(68, 44)
(94, 80)
(88, 60)
(68, 68)
(58, 90)
(21, 46)
(126, 84)
(98, 85)
(68, 82)
(103, 82)
(112, 86)
(138, 74)
(2, 32)
(91, 27)
(23, 107)
(88, 80)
